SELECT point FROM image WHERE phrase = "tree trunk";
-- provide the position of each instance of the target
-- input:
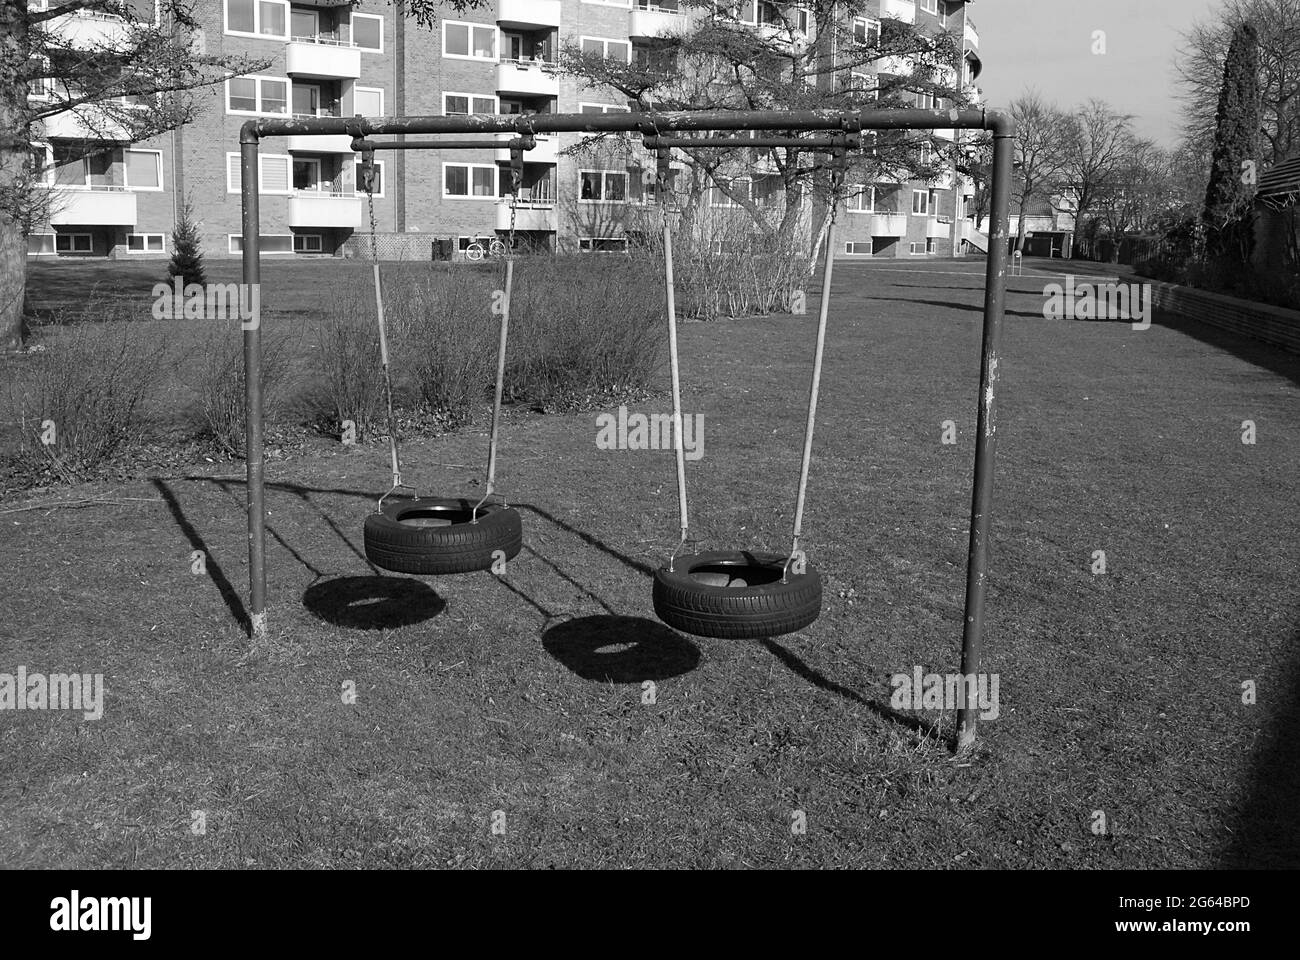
(13, 159)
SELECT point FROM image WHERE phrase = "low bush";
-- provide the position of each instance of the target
(219, 386)
(81, 394)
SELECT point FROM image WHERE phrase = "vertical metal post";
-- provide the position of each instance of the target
(674, 367)
(253, 387)
(995, 284)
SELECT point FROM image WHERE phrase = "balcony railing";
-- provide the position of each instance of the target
(321, 38)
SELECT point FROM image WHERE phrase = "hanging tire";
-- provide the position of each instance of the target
(736, 595)
(434, 536)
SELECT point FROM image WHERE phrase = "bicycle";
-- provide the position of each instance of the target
(476, 251)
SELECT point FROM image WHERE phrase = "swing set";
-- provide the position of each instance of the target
(713, 593)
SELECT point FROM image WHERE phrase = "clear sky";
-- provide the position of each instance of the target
(1048, 45)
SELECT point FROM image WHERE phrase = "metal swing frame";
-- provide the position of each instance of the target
(998, 123)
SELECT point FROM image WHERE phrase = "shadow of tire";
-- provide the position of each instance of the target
(620, 649)
(373, 603)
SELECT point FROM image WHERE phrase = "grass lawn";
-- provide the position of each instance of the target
(1120, 693)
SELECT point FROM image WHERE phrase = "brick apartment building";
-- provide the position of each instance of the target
(330, 59)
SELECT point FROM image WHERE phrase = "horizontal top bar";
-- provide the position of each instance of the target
(802, 143)
(646, 123)
(360, 144)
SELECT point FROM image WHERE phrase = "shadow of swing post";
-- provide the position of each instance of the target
(999, 124)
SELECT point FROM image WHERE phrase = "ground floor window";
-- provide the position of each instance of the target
(74, 242)
(308, 243)
(603, 244)
(274, 243)
(918, 247)
(145, 243)
(861, 248)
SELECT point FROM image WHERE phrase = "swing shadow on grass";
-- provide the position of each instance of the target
(373, 603)
(616, 649)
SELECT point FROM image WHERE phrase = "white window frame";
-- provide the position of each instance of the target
(257, 20)
(604, 107)
(352, 32)
(383, 179)
(232, 237)
(927, 196)
(868, 25)
(864, 189)
(929, 6)
(850, 245)
(319, 238)
(258, 78)
(496, 41)
(471, 97)
(126, 171)
(627, 181)
(137, 253)
(470, 167)
(932, 245)
(90, 237)
(605, 42)
(383, 99)
(261, 175)
(912, 251)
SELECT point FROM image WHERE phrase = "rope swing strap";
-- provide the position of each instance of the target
(368, 184)
(661, 198)
(796, 558)
(502, 305)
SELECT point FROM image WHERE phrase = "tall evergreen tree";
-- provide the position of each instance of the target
(1227, 215)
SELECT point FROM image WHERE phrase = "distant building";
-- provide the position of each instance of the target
(328, 58)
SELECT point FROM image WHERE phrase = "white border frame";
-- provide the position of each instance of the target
(261, 175)
(257, 21)
(258, 78)
(230, 245)
(607, 41)
(352, 31)
(495, 98)
(356, 180)
(496, 182)
(126, 171)
(140, 253)
(627, 181)
(496, 41)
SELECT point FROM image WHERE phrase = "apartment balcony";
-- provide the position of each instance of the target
(527, 78)
(546, 151)
(88, 122)
(939, 229)
(529, 215)
(904, 10)
(889, 225)
(308, 209)
(86, 30)
(648, 21)
(971, 36)
(895, 66)
(528, 14)
(322, 58)
(95, 207)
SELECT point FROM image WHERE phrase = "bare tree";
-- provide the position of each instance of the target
(1046, 141)
(720, 62)
(1102, 146)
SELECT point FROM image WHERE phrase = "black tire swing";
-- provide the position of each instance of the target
(738, 594)
(440, 535)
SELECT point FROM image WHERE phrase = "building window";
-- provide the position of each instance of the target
(258, 18)
(273, 243)
(468, 41)
(368, 32)
(257, 95)
(925, 101)
(930, 6)
(923, 202)
(469, 180)
(610, 49)
(368, 101)
(862, 200)
(379, 178)
(308, 243)
(74, 243)
(464, 104)
(603, 108)
(916, 247)
(145, 243)
(932, 245)
(858, 248)
(603, 186)
(143, 169)
(602, 244)
(866, 30)
(275, 173)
